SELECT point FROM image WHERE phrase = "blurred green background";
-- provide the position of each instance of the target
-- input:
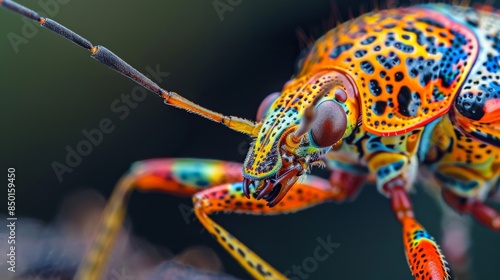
(51, 90)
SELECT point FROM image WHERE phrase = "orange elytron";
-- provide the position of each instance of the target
(376, 97)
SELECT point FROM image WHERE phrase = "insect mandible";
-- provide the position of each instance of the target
(378, 96)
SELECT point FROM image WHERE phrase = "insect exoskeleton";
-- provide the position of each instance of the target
(298, 126)
(375, 98)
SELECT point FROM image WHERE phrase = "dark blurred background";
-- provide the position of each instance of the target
(52, 90)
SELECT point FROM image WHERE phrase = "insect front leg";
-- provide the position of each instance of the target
(230, 198)
(395, 176)
(346, 176)
(181, 177)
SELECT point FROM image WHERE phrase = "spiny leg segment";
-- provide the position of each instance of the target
(395, 175)
(182, 177)
(111, 60)
(422, 252)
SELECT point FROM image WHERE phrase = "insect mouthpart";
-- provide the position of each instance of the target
(273, 189)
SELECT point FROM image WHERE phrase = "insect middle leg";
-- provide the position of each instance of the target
(395, 176)
(468, 172)
(466, 188)
(482, 212)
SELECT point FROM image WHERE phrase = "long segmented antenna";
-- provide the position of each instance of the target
(111, 60)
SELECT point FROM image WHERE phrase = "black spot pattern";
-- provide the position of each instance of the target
(379, 108)
(389, 54)
(367, 67)
(388, 61)
(338, 50)
(360, 53)
(409, 102)
(425, 69)
(375, 89)
(418, 33)
(391, 40)
(369, 40)
(483, 83)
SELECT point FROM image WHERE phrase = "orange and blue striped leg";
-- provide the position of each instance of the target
(422, 252)
(182, 177)
(230, 198)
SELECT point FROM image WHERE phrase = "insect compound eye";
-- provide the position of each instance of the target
(266, 104)
(329, 125)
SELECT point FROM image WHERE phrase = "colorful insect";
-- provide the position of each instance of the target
(375, 98)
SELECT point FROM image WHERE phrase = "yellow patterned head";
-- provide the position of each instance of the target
(298, 127)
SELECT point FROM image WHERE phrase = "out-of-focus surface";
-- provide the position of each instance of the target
(52, 90)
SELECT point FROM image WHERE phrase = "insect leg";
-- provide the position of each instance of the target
(346, 176)
(230, 198)
(486, 215)
(395, 176)
(483, 213)
(111, 60)
(456, 231)
(422, 252)
(183, 177)
(348, 185)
